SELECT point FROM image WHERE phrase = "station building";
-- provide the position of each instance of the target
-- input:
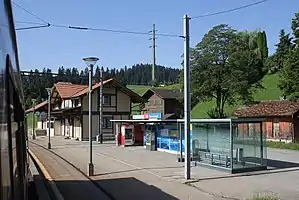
(70, 108)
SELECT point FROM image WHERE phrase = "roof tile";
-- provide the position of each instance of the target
(67, 90)
(36, 107)
(86, 89)
(277, 108)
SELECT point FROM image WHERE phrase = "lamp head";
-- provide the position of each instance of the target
(90, 61)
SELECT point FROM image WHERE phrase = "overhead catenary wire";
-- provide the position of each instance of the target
(82, 28)
(46, 24)
(29, 12)
(229, 10)
(100, 29)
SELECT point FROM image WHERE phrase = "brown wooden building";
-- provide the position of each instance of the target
(281, 118)
(168, 102)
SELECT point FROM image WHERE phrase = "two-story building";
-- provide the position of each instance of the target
(165, 101)
(71, 108)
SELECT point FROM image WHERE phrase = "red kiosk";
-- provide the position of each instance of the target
(129, 134)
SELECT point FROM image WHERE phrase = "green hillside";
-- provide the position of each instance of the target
(270, 92)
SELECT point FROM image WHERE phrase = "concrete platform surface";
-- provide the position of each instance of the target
(135, 173)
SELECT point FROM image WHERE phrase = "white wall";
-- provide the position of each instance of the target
(77, 129)
(52, 131)
(67, 103)
(95, 126)
(57, 127)
(41, 125)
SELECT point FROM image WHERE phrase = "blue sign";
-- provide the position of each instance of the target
(154, 116)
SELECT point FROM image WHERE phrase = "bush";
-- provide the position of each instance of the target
(283, 145)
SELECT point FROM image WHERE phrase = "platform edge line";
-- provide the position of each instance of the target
(47, 176)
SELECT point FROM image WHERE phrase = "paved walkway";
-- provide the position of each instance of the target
(134, 173)
(119, 178)
(70, 183)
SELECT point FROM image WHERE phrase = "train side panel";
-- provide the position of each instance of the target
(13, 159)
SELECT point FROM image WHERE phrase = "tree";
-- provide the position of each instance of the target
(225, 66)
(289, 82)
(262, 45)
(282, 50)
(295, 29)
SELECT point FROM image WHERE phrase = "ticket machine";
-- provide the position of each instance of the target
(127, 133)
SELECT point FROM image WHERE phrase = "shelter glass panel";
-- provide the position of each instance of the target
(248, 144)
(211, 143)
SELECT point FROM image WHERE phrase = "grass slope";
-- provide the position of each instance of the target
(270, 92)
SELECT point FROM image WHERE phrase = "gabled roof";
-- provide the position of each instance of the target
(67, 90)
(277, 108)
(86, 89)
(136, 98)
(40, 105)
(164, 93)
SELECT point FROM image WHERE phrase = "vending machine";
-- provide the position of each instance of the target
(127, 133)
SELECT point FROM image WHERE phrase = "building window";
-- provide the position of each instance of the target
(106, 122)
(76, 102)
(106, 100)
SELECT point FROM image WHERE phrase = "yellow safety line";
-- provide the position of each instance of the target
(47, 176)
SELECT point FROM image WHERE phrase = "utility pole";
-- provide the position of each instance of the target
(154, 52)
(187, 97)
(33, 120)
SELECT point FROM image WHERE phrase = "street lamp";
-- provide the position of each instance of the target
(101, 106)
(49, 90)
(33, 119)
(90, 62)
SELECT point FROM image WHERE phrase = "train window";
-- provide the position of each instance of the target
(6, 137)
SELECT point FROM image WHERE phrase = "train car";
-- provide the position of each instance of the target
(13, 134)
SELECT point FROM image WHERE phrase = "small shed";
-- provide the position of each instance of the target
(281, 118)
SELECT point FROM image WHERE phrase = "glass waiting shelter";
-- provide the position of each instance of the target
(237, 145)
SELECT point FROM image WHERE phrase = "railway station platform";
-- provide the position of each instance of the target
(136, 173)
(114, 178)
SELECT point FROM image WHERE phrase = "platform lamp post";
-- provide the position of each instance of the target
(90, 62)
(101, 105)
(33, 119)
(49, 90)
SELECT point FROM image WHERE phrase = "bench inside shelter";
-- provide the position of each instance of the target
(218, 156)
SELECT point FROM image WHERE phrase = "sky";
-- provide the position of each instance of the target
(53, 47)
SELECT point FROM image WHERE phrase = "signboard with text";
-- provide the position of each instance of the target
(154, 116)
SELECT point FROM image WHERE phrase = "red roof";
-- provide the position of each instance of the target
(278, 108)
(67, 90)
(86, 89)
(36, 107)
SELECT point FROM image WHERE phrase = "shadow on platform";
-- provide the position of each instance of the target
(145, 168)
(275, 164)
(115, 189)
